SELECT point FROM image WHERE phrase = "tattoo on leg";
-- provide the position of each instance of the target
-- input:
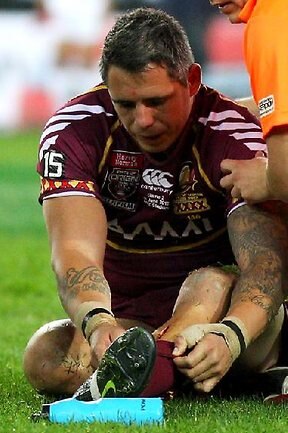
(73, 365)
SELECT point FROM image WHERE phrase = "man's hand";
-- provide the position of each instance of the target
(214, 348)
(101, 339)
(246, 179)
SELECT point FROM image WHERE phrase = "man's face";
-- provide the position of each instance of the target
(230, 8)
(152, 107)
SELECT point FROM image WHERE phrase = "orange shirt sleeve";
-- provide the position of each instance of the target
(265, 48)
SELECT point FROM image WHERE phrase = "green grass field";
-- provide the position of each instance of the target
(29, 299)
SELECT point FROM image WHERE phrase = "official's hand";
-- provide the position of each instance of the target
(246, 179)
(101, 339)
(214, 347)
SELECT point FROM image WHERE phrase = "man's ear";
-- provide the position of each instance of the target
(194, 78)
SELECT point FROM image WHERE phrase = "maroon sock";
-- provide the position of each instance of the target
(164, 371)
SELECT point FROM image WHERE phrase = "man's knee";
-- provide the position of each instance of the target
(207, 285)
(204, 297)
(57, 358)
(213, 276)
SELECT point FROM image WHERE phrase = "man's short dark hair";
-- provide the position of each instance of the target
(144, 36)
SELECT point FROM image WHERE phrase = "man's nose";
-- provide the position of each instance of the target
(144, 116)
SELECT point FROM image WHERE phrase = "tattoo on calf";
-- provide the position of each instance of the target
(87, 279)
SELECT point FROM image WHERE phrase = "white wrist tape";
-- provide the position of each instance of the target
(89, 326)
(233, 332)
(239, 329)
(90, 315)
(83, 310)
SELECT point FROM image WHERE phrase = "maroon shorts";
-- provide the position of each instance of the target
(145, 287)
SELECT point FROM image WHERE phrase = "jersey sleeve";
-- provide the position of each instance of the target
(230, 131)
(243, 143)
(70, 151)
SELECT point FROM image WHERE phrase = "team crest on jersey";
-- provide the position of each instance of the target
(266, 106)
(122, 180)
(189, 201)
(122, 183)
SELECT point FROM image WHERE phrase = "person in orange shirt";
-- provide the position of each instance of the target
(265, 49)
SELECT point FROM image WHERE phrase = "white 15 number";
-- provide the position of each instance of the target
(53, 164)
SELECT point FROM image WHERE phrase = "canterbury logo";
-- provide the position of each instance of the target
(157, 178)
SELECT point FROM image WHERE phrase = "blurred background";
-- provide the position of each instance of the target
(49, 51)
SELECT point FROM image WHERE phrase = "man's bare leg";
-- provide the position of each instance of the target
(204, 298)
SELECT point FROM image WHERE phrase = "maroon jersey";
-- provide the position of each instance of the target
(166, 216)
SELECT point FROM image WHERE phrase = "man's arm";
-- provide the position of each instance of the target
(247, 178)
(277, 168)
(259, 240)
(77, 229)
(260, 179)
(249, 102)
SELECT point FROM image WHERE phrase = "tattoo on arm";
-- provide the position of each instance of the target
(87, 279)
(259, 241)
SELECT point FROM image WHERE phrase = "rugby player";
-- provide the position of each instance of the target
(141, 230)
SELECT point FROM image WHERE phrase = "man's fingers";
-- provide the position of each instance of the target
(235, 192)
(193, 334)
(195, 363)
(191, 360)
(260, 154)
(101, 339)
(180, 346)
(226, 182)
(227, 165)
(207, 385)
(197, 367)
(208, 361)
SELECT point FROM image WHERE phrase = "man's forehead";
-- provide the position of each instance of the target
(150, 83)
(148, 70)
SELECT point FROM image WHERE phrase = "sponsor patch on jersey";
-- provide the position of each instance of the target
(157, 186)
(266, 106)
(189, 200)
(187, 204)
(157, 178)
(123, 159)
